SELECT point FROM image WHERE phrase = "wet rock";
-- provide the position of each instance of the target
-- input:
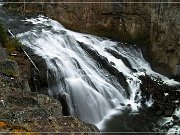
(64, 102)
(128, 105)
(112, 63)
(143, 100)
(38, 79)
(106, 65)
(175, 117)
(168, 113)
(159, 113)
(118, 56)
(164, 104)
(122, 104)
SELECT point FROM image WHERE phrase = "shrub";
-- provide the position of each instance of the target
(12, 44)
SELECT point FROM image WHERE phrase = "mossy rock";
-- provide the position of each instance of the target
(9, 68)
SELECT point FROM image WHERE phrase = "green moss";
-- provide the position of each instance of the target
(3, 34)
(11, 44)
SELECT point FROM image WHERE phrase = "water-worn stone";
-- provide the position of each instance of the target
(175, 117)
(122, 104)
(112, 63)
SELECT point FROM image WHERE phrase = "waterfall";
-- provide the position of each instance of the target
(94, 74)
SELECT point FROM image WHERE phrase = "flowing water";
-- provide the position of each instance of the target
(98, 77)
(82, 66)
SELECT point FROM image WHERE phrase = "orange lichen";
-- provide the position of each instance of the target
(2, 124)
(17, 130)
(22, 132)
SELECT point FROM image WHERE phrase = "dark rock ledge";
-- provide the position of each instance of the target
(166, 98)
(24, 111)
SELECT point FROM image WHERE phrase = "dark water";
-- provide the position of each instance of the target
(143, 122)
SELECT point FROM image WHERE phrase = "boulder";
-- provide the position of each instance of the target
(24, 111)
(9, 68)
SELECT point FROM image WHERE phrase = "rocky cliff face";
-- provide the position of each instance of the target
(29, 112)
(165, 35)
(154, 25)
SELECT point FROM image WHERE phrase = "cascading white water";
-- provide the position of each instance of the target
(91, 91)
